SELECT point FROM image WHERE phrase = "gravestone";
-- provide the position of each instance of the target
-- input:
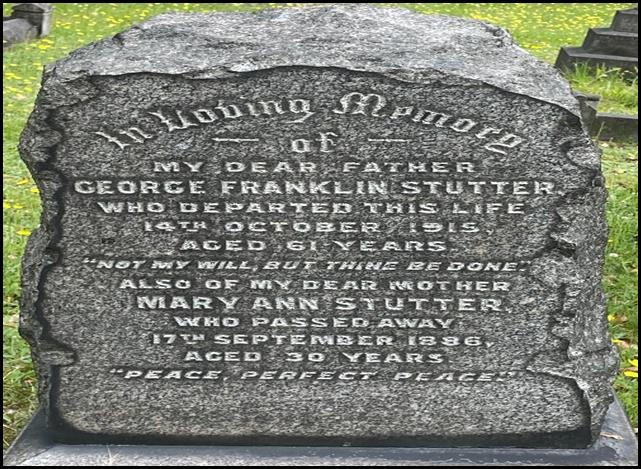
(613, 47)
(27, 21)
(342, 225)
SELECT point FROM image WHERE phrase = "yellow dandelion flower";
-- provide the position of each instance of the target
(24, 232)
(35, 190)
(6, 205)
(23, 181)
(611, 317)
(631, 374)
(634, 362)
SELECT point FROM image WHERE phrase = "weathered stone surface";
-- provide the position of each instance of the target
(421, 149)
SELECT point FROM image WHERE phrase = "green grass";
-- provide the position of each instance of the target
(619, 94)
(540, 28)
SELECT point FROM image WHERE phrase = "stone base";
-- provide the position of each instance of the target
(617, 446)
(568, 56)
(616, 127)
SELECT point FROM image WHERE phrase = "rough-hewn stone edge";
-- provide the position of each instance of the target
(38, 147)
(573, 265)
(548, 85)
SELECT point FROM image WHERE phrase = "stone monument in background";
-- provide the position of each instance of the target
(27, 21)
(338, 226)
(613, 47)
(616, 47)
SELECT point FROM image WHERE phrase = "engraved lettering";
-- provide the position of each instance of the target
(358, 103)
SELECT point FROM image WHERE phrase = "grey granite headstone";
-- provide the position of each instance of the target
(338, 225)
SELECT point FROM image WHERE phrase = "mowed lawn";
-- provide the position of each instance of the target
(540, 28)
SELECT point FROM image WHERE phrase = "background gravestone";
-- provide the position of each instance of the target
(613, 47)
(339, 225)
(27, 21)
